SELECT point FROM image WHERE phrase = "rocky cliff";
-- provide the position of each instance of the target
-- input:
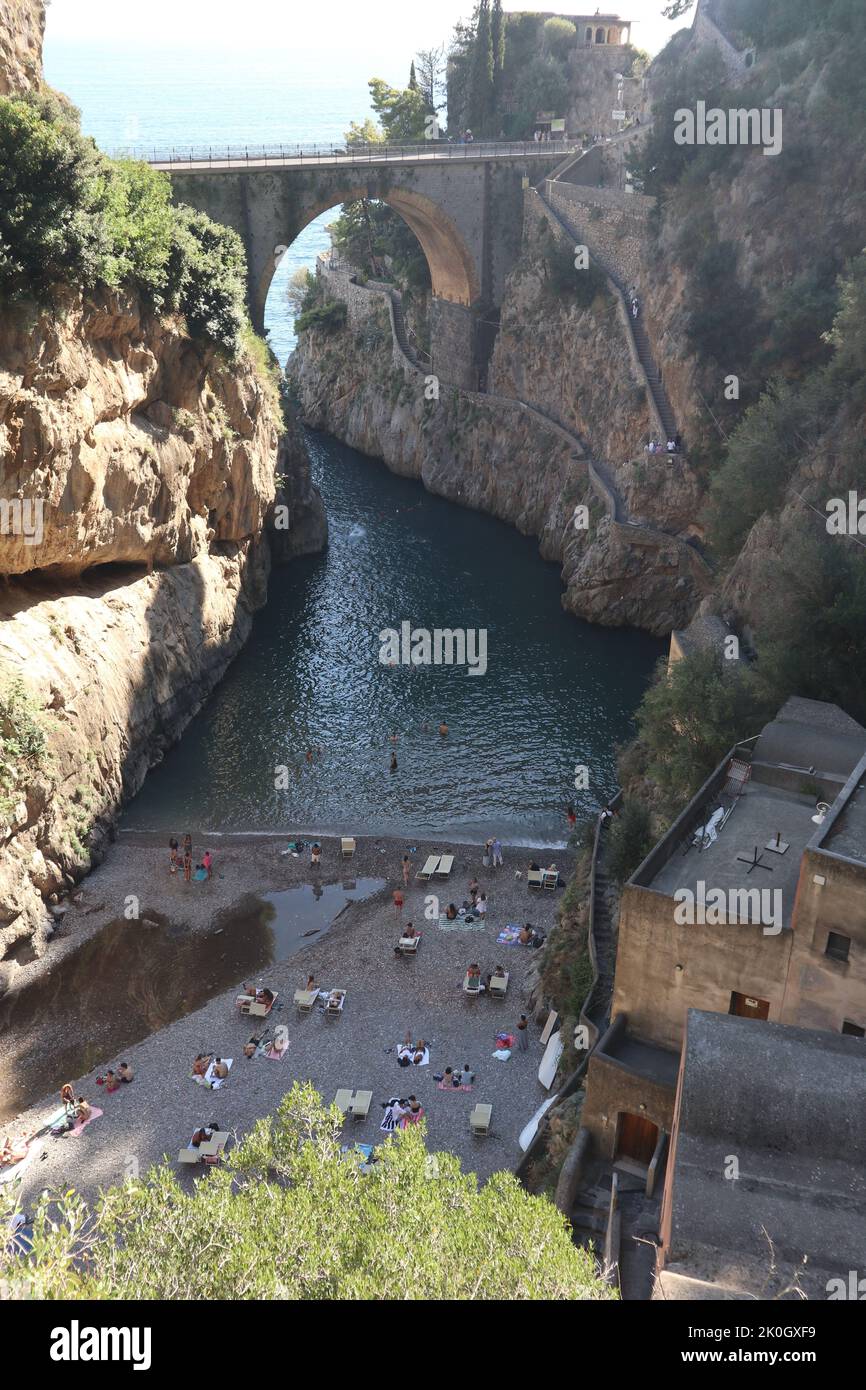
(138, 473)
(22, 27)
(485, 452)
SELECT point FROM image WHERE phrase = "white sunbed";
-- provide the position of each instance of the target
(430, 866)
(479, 1120)
(335, 1001)
(468, 988)
(534, 878)
(499, 985)
(446, 864)
(343, 1100)
(348, 846)
(361, 1104)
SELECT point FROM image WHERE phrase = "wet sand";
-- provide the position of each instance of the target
(217, 923)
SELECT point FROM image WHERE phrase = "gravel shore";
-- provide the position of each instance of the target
(387, 997)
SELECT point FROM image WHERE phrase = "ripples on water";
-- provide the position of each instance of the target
(557, 691)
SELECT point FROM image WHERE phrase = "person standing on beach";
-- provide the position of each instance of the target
(406, 870)
(497, 853)
(172, 854)
(207, 862)
(187, 865)
(523, 1033)
(398, 902)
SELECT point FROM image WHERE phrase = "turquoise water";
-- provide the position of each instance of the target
(557, 693)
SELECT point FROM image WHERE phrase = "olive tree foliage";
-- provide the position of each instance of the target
(290, 1216)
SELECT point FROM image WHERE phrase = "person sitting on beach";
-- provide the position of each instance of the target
(311, 983)
(220, 1070)
(83, 1110)
(409, 932)
(250, 990)
(414, 1113)
(447, 1077)
(473, 977)
(451, 912)
(264, 996)
(202, 1135)
(125, 1072)
(525, 934)
(481, 905)
(533, 867)
(111, 1082)
(13, 1150)
(467, 1077)
(473, 890)
(201, 1064)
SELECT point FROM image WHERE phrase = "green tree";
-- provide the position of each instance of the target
(691, 715)
(139, 220)
(481, 99)
(401, 114)
(413, 80)
(497, 44)
(559, 36)
(366, 133)
(630, 839)
(207, 277)
(294, 1218)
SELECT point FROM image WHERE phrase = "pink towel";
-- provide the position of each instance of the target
(79, 1125)
(277, 1056)
(445, 1086)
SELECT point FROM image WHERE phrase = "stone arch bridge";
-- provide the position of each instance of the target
(463, 202)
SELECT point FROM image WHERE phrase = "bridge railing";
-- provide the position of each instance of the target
(211, 156)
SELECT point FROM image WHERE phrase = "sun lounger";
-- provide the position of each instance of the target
(534, 878)
(248, 1006)
(361, 1104)
(336, 1000)
(408, 945)
(348, 846)
(479, 1120)
(499, 985)
(471, 986)
(430, 866)
(445, 865)
(305, 999)
(550, 878)
(343, 1100)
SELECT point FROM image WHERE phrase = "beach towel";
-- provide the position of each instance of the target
(509, 936)
(504, 1039)
(446, 1086)
(214, 1082)
(502, 1054)
(274, 1056)
(82, 1124)
(391, 1117)
(11, 1171)
(461, 923)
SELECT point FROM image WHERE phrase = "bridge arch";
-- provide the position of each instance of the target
(453, 274)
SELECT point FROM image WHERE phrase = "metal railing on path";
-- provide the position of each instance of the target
(339, 153)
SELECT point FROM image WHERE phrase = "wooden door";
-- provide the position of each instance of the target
(746, 1006)
(638, 1137)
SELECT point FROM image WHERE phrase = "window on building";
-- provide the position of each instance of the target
(838, 946)
(853, 1030)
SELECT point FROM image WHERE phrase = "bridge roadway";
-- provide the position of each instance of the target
(336, 156)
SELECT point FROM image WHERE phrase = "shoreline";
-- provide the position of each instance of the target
(196, 916)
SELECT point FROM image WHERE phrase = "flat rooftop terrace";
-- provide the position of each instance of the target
(759, 814)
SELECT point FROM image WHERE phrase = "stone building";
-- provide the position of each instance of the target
(765, 1190)
(753, 904)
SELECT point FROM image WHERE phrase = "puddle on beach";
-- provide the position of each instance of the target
(131, 979)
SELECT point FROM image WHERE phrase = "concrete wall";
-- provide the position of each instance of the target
(614, 222)
(704, 31)
(824, 992)
(715, 960)
(613, 1091)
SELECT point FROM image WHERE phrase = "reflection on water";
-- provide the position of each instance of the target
(133, 978)
(557, 692)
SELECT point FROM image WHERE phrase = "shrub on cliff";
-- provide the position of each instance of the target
(292, 1217)
(71, 216)
(631, 839)
(691, 715)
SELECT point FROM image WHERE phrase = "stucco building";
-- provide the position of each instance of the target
(753, 905)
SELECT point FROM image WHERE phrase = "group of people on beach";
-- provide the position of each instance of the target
(181, 859)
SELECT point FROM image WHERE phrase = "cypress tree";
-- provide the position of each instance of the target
(497, 36)
(482, 68)
(413, 80)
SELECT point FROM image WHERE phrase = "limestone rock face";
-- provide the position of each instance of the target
(137, 482)
(22, 27)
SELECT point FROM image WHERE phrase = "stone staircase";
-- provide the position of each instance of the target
(605, 948)
(640, 340)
